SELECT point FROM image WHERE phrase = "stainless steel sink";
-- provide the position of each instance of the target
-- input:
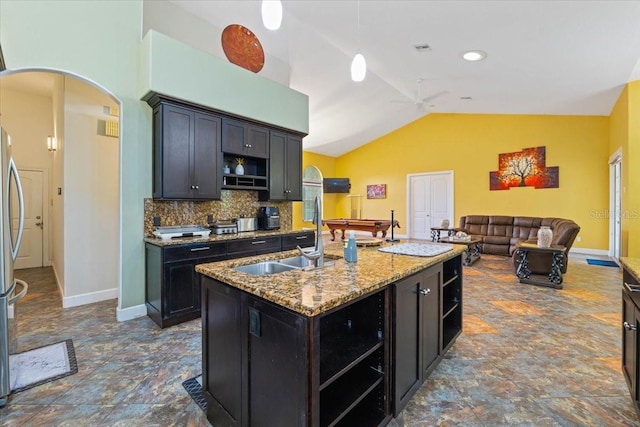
(281, 265)
(302, 262)
(264, 268)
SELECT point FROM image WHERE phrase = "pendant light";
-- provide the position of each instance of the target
(359, 64)
(271, 14)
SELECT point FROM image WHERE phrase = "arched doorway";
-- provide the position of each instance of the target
(81, 188)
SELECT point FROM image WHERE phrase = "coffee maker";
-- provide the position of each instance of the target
(268, 218)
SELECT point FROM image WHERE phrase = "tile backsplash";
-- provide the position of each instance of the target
(232, 204)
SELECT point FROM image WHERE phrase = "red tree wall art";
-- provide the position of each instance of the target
(524, 168)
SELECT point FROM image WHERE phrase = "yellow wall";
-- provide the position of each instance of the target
(327, 166)
(632, 190)
(469, 145)
(618, 139)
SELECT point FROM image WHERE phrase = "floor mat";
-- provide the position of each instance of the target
(194, 388)
(602, 262)
(42, 365)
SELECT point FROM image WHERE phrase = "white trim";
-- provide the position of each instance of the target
(46, 214)
(88, 298)
(586, 251)
(614, 159)
(408, 197)
(124, 314)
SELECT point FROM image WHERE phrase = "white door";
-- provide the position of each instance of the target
(30, 254)
(430, 201)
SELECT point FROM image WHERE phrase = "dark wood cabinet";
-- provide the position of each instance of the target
(285, 167)
(255, 360)
(277, 384)
(427, 318)
(253, 246)
(353, 379)
(304, 239)
(630, 342)
(450, 302)
(416, 332)
(171, 282)
(245, 139)
(186, 152)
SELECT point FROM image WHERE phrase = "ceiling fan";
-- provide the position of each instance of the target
(421, 102)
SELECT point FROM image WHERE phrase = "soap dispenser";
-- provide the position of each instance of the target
(350, 249)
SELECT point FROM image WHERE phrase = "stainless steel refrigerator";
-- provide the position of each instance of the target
(9, 182)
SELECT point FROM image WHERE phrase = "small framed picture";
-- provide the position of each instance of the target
(377, 191)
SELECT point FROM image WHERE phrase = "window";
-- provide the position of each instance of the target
(311, 187)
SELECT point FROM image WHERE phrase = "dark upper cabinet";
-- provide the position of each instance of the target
(245, 139)
(186, 152)
(285, 168)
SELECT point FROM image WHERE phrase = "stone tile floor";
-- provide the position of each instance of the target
(527, 356)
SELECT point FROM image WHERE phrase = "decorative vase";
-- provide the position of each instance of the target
(239, 170)
(545, 235)
(444, 223)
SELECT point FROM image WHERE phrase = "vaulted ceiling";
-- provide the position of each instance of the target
(543, 57)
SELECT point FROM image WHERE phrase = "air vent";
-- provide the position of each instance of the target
(466, 98)
(422, 47)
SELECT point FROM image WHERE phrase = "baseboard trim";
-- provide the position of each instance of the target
(88, 298)
(124, 314)
(586, 251)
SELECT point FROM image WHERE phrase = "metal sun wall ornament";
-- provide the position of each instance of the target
(526, 168)
(242, 47)
(377, 191)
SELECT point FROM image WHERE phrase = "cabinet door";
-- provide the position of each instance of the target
(630, 344)
(294, 168)
(416, 331)
(277, 166)
(207, 161)
(181, 289)
(278, 388)
(222, 352)
(406, 351)
(233, 136)
(430, 318)
(177, 151)
(257, 143)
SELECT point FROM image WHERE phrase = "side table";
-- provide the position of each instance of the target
(435, 232)
(473, 248)
(554, 279)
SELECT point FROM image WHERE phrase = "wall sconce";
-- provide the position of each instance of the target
(52, 144)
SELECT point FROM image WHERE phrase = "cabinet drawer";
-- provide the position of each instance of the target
(194, 251)
(631, 286)
(301, 239)
(254, 245)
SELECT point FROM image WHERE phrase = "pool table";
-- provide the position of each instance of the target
(372, 225)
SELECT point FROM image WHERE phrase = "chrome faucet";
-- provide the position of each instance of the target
(317, 256)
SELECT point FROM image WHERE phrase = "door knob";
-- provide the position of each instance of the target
(39, 224)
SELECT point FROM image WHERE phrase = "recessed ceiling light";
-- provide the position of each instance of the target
(474, 55)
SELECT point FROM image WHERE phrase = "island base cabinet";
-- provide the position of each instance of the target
(630, 342)
(254, 360)
(416, 332)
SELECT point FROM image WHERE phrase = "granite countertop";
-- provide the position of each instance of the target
(632, 265)
(221, 237)
(311, 292)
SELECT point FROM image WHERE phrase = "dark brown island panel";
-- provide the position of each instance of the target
(357, 363)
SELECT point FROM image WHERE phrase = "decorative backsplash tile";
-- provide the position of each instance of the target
(232, 204)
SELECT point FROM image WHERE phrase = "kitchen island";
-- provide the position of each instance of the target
(345, 344)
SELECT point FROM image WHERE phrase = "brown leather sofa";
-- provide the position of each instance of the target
(501, 234)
